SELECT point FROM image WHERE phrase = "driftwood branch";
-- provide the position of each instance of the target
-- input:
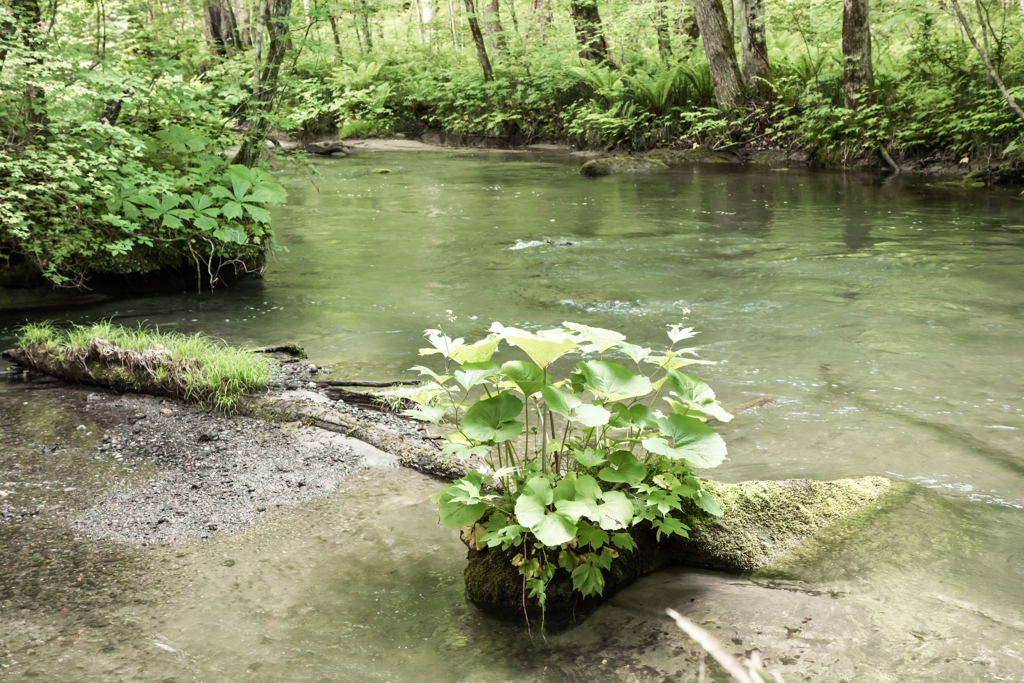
(359, 383)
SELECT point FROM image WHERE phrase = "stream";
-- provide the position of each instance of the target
(886, 319)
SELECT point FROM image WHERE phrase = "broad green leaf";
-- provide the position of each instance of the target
(627, 469)
(565, 489)
(463, 451)
(258, 213)
(589, 458)
(540, 487)
(695, 443)
(550, 528)
(587, 487)
(473, 374)
(561, 402)
(623, 541)
(442, 343)
(599, 340)
(637, 353)
(205, 223)
(615, 510)
(426, 413)
(613, 381)
(694, 392)
(590, 415)
(543, 348)
(479, 352)
(231, 210)
(588, 534)
(493, 419)
(678, 333)
(708, 503)
(454, 514)
(588, 580)
(579, 508)
(670, 525)
(527, 376)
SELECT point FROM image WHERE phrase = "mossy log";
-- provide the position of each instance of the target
(620, 165)
(761, 520)
(411, 453)
(103, 364)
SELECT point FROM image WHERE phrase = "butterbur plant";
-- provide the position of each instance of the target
(560, 468)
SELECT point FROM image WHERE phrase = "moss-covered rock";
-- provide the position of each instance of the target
(761, 521)
(697, 155)
(620, 165)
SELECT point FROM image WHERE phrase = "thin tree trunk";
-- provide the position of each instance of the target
(219, 27)
(364, 17)
(988, 63)
(542, 18)
(27, 17)
(515, 20)
(492, 27)
(858, 78)
(720, 49)
(263, 99)
(757, 72)
(590, 32)
(418, 9)
(334, 32)
(478, 39)
(451, 17)
(243, 32)
(661, 28)
(261, 22)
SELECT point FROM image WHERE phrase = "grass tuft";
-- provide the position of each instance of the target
(196, 367)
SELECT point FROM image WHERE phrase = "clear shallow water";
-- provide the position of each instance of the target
(886, 321)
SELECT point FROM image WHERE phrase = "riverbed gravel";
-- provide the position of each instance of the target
(216, 474)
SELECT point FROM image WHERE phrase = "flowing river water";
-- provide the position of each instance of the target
(885, 319)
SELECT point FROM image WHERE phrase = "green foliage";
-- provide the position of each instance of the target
(561, 468)
(114, 168)
(209, 372)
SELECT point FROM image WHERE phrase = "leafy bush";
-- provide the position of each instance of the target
(565, 466)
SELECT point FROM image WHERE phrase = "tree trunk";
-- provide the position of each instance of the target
(492, 27)
(478, 39)
(27, 18)
(661, 28)
(858, 79)
(242, 29)
(219, 27)
(590, 32)
(720, 51)
(266, 90)
(334, 32)
(757, 72)
(542, 18)
(364, 20)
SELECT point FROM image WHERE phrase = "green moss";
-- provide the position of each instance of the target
(763, 519)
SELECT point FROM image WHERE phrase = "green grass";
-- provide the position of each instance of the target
(207, 370)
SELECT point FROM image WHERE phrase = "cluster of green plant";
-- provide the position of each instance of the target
(115, 164)
(565, 466)
(208, 371)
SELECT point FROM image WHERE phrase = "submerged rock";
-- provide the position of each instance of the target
(620, 165)
(761, 520)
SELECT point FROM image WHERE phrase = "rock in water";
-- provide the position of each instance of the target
(620, 165)
(760, 521)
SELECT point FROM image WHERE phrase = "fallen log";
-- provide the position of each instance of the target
(360, 383)
(410, 452)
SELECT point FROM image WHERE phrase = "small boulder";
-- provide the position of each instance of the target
(596, 168)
